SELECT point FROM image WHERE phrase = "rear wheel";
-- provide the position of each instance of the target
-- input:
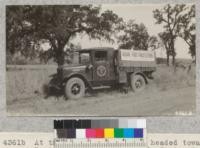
(137, 82)
(74, 88)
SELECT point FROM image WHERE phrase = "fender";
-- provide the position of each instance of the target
(87, 83)
(142, 74)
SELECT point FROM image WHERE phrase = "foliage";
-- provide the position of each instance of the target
(188, 31)
(57, 24)
(135, 36)
(165, 40)
(172, 19)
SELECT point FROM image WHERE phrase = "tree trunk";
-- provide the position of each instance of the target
(173, 60)
(167, 58)
(173, 56)
(60, 56)
(194, 59)
(172, 50)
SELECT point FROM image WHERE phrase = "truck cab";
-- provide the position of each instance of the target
(95, 68)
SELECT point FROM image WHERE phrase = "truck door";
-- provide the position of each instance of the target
(102, 66)
(85, 59)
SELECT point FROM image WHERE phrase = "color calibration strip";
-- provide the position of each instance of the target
(100, 133)
(122, 128)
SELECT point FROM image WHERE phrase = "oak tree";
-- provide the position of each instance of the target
(135, 36)
(170, 16)
(58, 24)
(165, 40)
(188, 30)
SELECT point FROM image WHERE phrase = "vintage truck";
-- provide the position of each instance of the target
(97, 68)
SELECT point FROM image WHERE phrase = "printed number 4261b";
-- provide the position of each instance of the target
(14, 142)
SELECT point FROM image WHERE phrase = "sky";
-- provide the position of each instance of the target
(142, 13)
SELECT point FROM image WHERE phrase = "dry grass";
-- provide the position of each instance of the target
(28, 82)
(167, 94)
(168, 78)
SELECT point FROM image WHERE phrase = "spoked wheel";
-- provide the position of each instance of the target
(137, 83)
(75, 88)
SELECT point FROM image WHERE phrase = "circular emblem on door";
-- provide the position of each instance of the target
(101, 71)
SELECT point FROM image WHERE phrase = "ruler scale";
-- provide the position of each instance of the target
(100, 143)
(123, 133)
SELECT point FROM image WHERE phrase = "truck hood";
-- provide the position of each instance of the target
(71, 67)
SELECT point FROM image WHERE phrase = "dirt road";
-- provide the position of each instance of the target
(111, 103)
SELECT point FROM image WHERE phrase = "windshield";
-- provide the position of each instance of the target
(84, 58)
(75, 58)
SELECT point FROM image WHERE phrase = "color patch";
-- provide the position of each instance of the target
(108, 133)
(71, 133)
(85, 123)
(61, 133)
(128, 133)
(90, 133)
(100, 123)
(106, 128)
(58, 124)
(99, 133)
(141, 123)
(122, 123)
(80, 133)
(132, 123)
(118, 133)
(138, 133)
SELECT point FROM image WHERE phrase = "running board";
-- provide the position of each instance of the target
(101, 87)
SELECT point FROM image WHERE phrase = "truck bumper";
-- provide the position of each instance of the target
(55, 82)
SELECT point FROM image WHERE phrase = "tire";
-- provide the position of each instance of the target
(75, 88)
(137, 82)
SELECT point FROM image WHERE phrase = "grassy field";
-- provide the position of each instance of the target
(25, 95)
(27, 80)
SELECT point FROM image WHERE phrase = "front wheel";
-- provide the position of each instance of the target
(74, 88)
(137, 82)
